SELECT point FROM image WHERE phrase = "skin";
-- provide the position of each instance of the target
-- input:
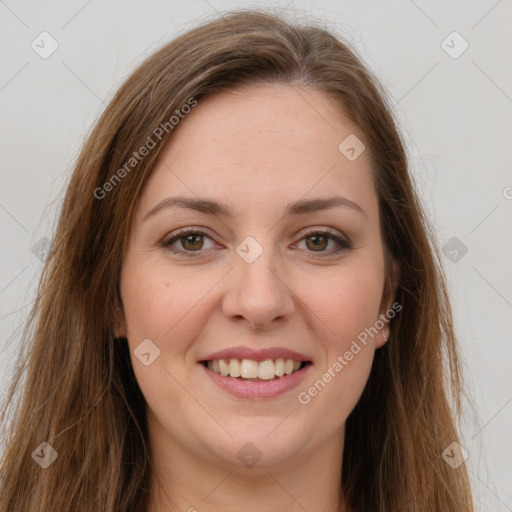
(257, 149)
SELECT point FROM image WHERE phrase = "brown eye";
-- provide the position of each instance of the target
(318, 242)
(192, 242)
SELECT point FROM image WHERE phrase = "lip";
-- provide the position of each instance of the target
(258, 390)
(256, 355)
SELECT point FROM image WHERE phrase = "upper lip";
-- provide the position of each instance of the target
(256, 355)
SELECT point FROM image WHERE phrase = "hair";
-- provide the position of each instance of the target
(78, 389)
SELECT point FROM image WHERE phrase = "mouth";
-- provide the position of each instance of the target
(255, 371)
(256, 380)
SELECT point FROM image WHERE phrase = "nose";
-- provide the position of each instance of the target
(258, 292)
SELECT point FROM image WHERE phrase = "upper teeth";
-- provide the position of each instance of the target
(250, 369)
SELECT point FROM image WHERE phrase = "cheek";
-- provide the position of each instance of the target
(170, 308)
(156, 301)
(159, 307)
(346, 308)
(347, 303)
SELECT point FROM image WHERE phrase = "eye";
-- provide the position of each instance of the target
(192, 241)
(190, 238)
(318, 240)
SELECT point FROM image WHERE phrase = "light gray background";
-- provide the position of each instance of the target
(455, 114)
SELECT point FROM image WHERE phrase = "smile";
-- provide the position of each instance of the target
(251, 379)
(251, 369)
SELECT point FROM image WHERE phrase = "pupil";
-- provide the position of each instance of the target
(318, 244)
(190, 238)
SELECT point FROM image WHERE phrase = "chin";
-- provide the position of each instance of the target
(262, 448)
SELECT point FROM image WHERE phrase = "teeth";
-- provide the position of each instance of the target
(234, 368)
(288, 366)
(224, 368)
(266, 370)
(250, 369)
(279, 367)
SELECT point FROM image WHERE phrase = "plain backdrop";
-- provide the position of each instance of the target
(452, 95)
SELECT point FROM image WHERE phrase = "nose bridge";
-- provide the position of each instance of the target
(258, 293)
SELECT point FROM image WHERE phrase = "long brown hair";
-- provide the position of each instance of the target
(77, 390)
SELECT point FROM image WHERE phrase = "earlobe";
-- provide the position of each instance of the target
(389, 293)
(383, 337)
(119, 324)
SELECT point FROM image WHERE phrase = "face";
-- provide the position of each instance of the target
(262, 276)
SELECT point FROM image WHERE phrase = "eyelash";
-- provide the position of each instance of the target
(167, 242)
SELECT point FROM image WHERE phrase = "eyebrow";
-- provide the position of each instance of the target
(212, 207)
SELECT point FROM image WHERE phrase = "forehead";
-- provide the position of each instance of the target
(264, 144)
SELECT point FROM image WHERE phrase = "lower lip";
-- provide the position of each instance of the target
(257, 390)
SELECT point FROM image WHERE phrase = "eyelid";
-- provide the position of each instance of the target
(342, 241)
(325, 230)
(181, 233)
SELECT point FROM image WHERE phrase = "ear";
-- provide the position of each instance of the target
(388, 306)
(119, 323)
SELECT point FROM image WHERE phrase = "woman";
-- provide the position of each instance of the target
(242, 308)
